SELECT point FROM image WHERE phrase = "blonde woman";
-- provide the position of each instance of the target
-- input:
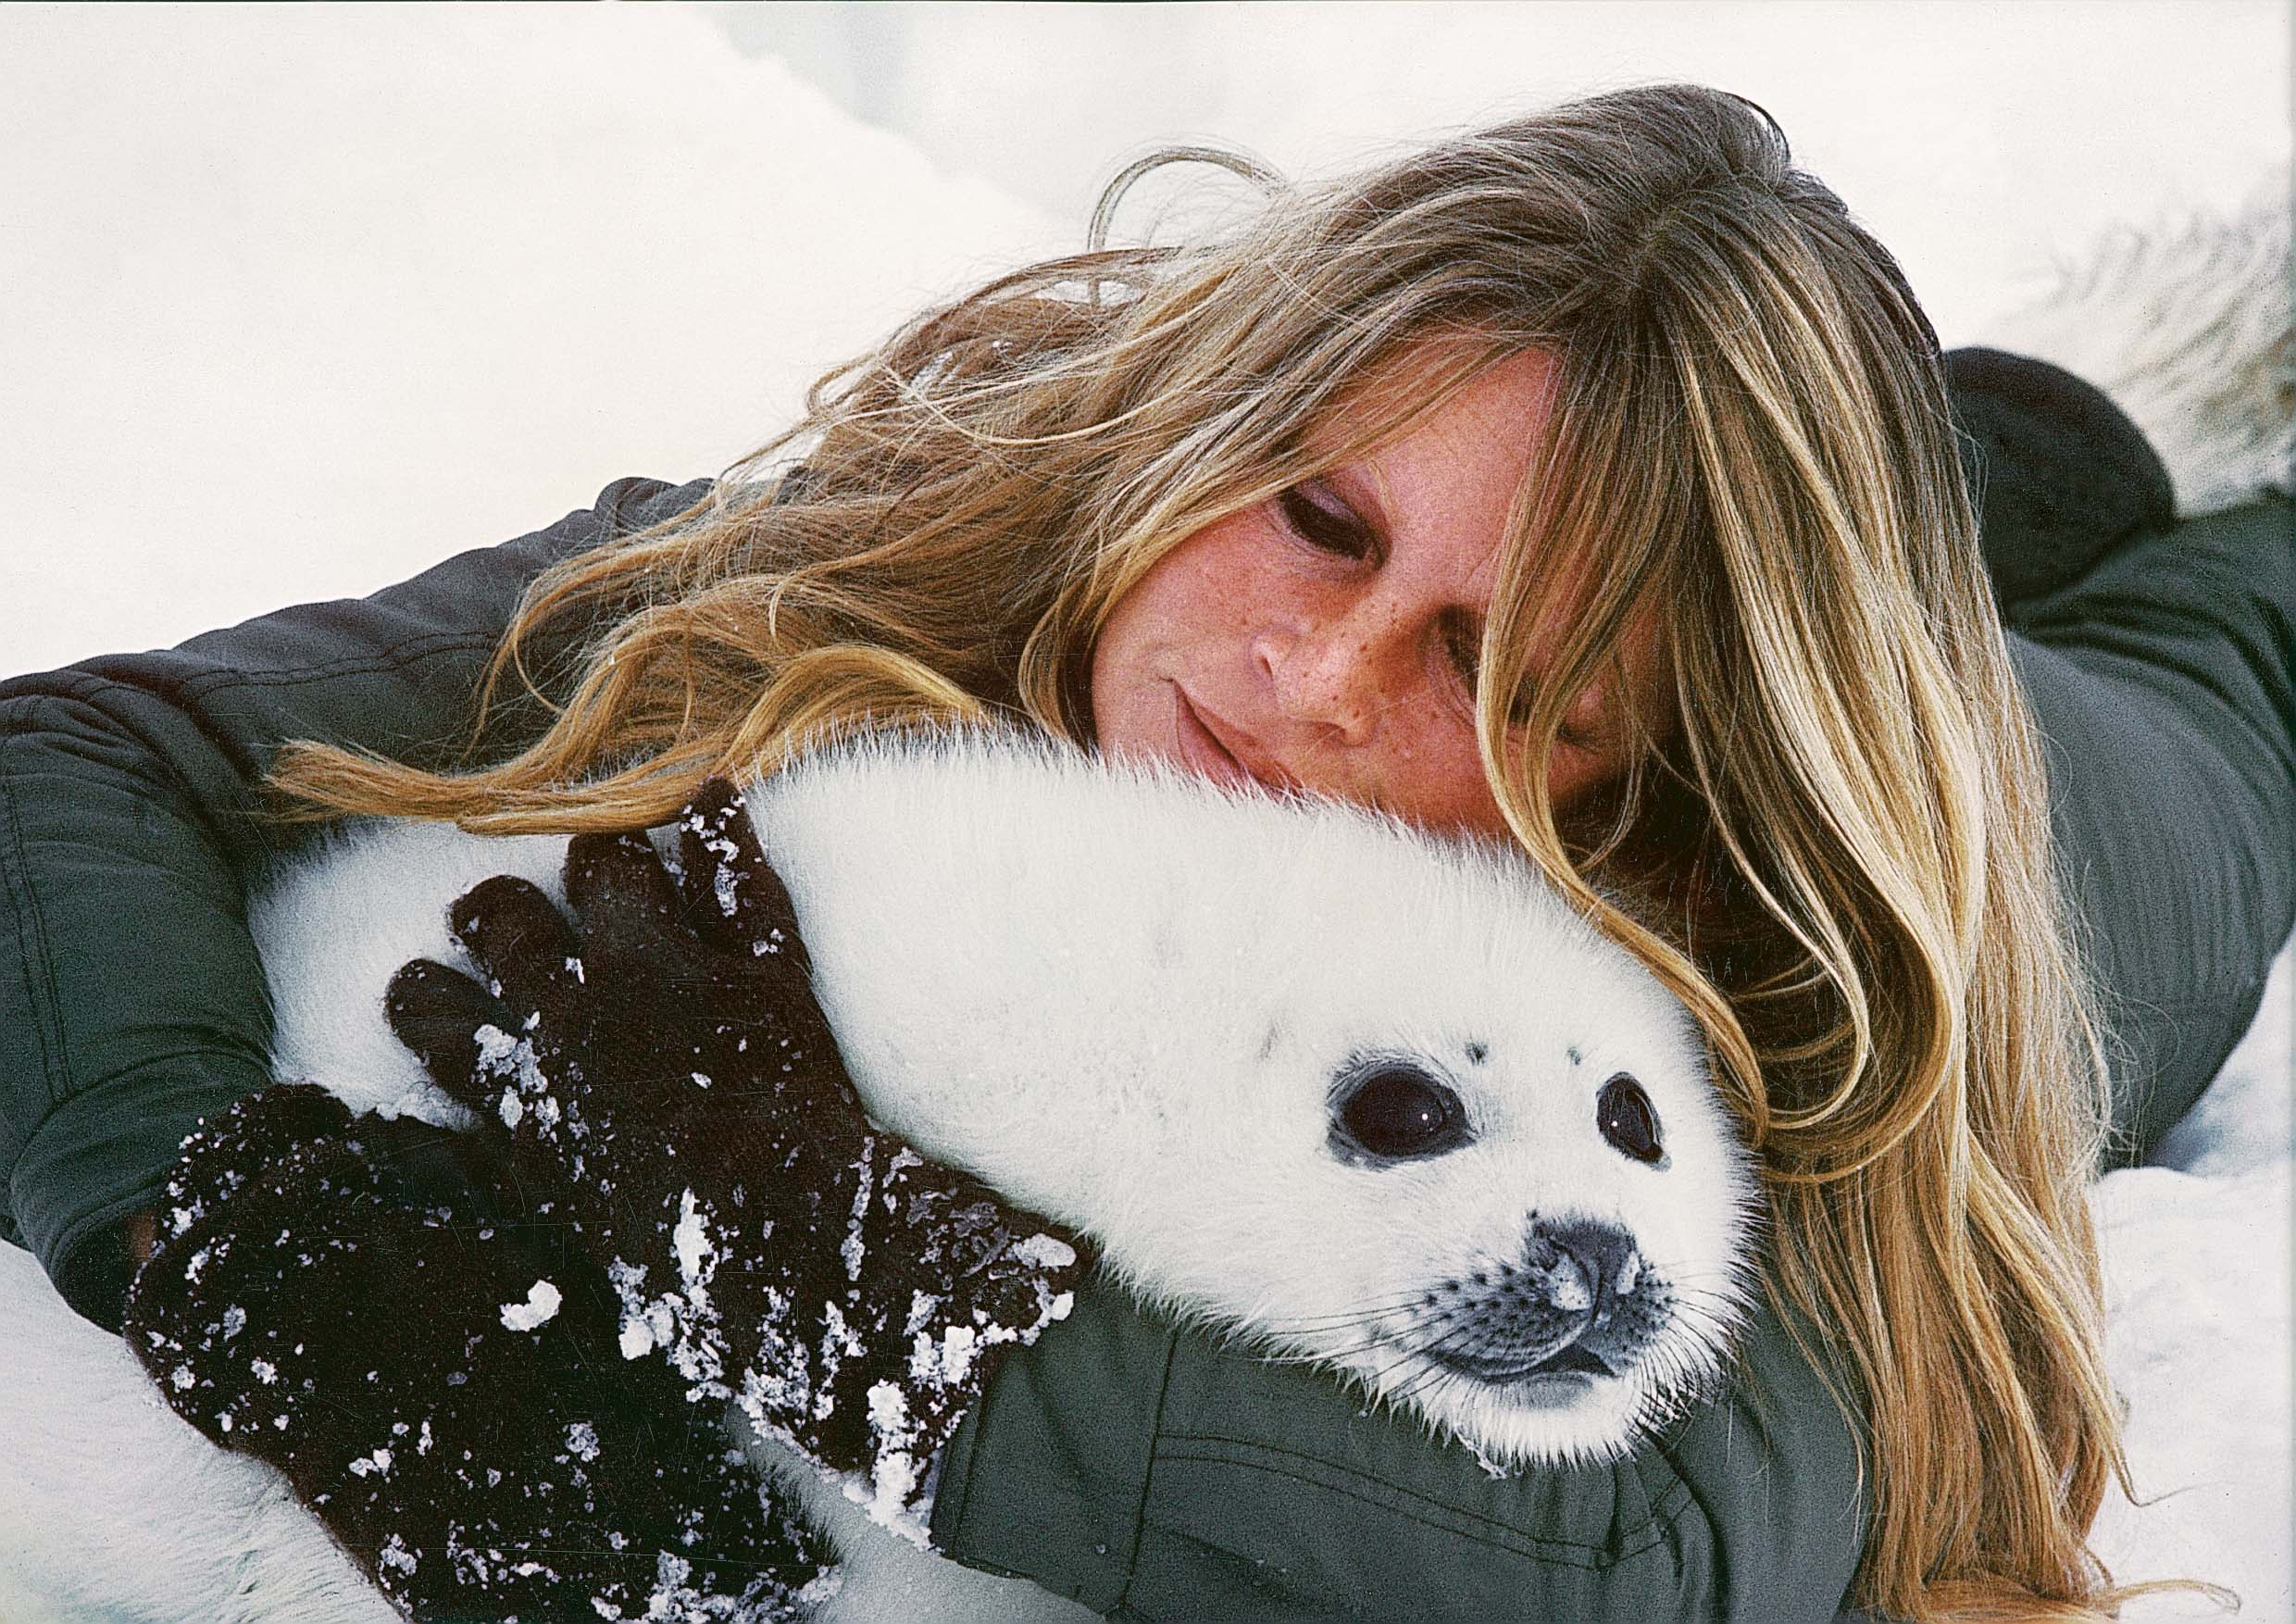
(1587, 479)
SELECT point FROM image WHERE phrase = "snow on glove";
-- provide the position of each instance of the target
(350, 1300)
(665, 1074)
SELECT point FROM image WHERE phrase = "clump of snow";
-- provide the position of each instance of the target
(892, 1496)
(947, 1362)
(684, 1323)
(774, 1384)
(511, 1060)
(1041, 1251)
(582, 1440)
(542, 1301)
(696, 1252)
(839, 1342)
(924, 1307)
(823, 1589)
(371, 1464)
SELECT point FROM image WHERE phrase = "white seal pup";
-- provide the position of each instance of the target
(1359, 1096)
(1356, 1095)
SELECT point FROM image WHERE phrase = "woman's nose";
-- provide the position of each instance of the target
(1330, 675)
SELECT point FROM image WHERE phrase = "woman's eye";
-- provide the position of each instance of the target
(1327, 529)
(1463, 647)
(1582, 729)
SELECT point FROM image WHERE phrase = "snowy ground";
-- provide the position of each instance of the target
(298, 301)
(2198, 1286)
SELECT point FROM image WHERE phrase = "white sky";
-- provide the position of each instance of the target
(1975, 135)
(296, 301)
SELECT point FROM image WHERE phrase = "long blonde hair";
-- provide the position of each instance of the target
(1837, 853)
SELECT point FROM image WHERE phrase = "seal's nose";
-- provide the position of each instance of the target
(1604, 1256)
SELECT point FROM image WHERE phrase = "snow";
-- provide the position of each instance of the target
(1980, 139)
(2198, 1289)
(684, 1323)
(891, 1497)
(301, 302)
(696, 1252)
(541, 1304)
(1041, 1251)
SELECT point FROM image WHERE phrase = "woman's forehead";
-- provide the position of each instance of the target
(1391, 400)
(1439, 413)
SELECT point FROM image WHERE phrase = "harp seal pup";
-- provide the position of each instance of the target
(1356, 1095)
(1361, 1096)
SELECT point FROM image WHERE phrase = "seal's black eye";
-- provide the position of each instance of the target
(1396, 1113)
(1623, 1112)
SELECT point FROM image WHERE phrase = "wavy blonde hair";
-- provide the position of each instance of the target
(1836, 851)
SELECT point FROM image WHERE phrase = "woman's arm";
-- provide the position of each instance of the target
(2160, 663)
(2165, 682)
(132, 1004)
(1150, 1474)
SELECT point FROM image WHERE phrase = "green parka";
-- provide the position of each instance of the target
(1133, 1467)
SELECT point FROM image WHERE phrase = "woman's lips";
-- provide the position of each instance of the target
(1202, 748)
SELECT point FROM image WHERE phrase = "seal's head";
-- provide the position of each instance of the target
(1358, 1095)
(1541, 1257)
(1475, 1159)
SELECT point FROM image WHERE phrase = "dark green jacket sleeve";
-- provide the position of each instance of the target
(1141, 1470)
(2165, 682)
(130, 1001)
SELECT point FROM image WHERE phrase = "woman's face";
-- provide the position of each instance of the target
(1327, 639)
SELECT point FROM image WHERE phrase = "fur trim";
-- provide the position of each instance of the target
(2192, 331)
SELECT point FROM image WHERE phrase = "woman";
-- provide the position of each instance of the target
(1590, 478)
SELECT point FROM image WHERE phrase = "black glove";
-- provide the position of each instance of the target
(2063, 477)
(669, 1084)
(359, 1304)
